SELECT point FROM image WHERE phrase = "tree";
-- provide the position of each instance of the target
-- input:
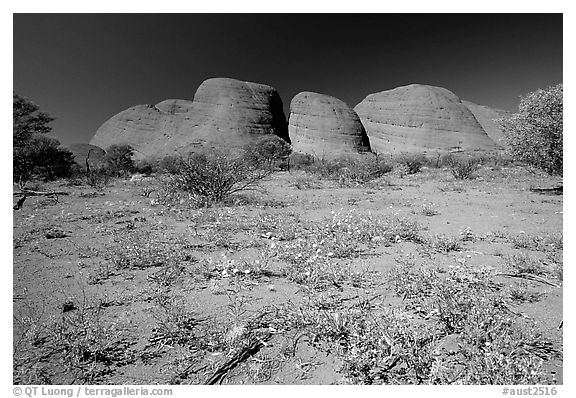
(28, 120)
(33, 151)
(268, 149)
(534, 134)
(119, 159)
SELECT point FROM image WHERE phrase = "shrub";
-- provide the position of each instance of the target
(169, 164)
(412, 161)
(214, 176)
(268, 150)
(299, 161)
(145, 166)
(464, 169)
(98, 178)
(42, 155)
(119, 159)
(351, 170)
(535, 133)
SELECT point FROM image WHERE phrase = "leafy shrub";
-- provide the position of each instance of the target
(145, 166)
(300, 161)
(268, 150)
(98, 178)
(535, 133)
(214, 176)
(42, 156)
(464, 169)
(412, 161)
(119, 159)
(169, 164)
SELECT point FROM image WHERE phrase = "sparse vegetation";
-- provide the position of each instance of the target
(350, 170)
(370, 285)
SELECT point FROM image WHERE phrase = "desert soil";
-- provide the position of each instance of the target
(113, 286)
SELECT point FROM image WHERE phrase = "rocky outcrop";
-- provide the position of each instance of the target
(420, 118)
(486, 116)
(324, 126)
(224, 112)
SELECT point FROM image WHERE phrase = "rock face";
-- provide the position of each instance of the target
(224, 112)
(324, 126)
(485, 116)
(420, 118)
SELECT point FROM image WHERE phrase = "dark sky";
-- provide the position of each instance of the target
(85, 68)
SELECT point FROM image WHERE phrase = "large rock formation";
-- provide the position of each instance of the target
(225, 112)
(485, 116)
(420, 118)
(324, 126)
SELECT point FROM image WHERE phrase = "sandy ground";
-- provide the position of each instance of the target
(86, 263)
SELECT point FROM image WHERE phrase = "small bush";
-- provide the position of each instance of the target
(214, 176)
(412, 161)
(268, 150)
(98, 178)
(524, 264)
(464, 169)
(169, 164)
(445, 244)
(351, 170)
(300, 161)
(119, 159)
(145, 166)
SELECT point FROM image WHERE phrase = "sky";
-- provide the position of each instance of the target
(84, 68)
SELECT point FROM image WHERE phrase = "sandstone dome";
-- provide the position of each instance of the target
(325, 126)
(420, 118)
(225, 112)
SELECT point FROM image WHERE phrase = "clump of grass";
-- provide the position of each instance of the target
(557, 264)
(304, 182)
(545, 242)
(140, 249)
(445, 244)
(104, 270)
(522, 263)
(77, 347)
(520, 293)
(429, 210)
(225, 267)
(466, 235)
(177, 324)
